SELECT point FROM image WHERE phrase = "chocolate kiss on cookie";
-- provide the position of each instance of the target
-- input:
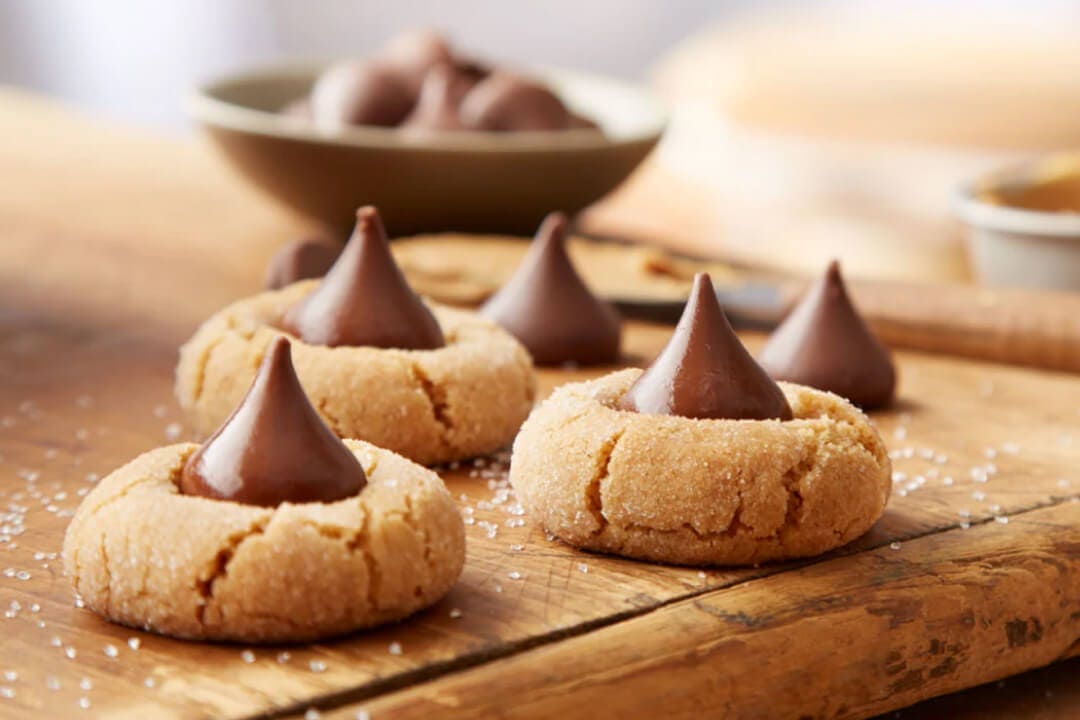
(364, 300)
(547, 306)
(704, 371)
(825, 343)
(274, 448)
(300, 260)
(437, 108)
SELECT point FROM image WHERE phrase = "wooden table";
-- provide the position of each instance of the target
(114, 245)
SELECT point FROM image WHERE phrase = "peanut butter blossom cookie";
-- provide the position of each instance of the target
(379, 363)
(273, 530)
(701, 459)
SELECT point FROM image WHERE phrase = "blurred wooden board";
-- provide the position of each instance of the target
(102, 277)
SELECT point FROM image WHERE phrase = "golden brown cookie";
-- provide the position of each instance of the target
(142, 554)
(467, 398)
(708, 492)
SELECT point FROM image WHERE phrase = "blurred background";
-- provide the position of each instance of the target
(799, 131)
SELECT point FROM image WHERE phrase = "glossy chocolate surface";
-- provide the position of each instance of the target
(364, 300)
(300, 260)
(548, 308)
(503, 102)
(274, 448)
(825, 343)
(704, 371)
(361, 93)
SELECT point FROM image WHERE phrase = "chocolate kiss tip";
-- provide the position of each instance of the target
(825, 343)
(704, 371)
(550, 310)
(364, 300)
(274, 448)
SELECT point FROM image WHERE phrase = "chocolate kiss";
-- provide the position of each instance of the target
(704, 371)
(274, 448)
(824, 343)
(360, 93)
(364, 299)
(300, 260)
(503, 102)
(437, 108)
(549, 309)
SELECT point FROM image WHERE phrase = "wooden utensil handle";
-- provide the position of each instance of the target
(1020, 327)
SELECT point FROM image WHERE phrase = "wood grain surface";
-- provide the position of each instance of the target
(115, 246)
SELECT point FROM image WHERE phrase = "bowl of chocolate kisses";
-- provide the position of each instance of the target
(437, 140)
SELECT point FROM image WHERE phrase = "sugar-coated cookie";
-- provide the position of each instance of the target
(699, 491)
(142, 554)
(464, 399)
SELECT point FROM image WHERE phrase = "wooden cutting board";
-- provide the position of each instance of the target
(973, 574)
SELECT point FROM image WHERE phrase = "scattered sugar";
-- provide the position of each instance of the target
(964, 513)
(517, 547)
(978, 495)
(894, 545)
(1062, 483)
(514, 575)
(149, 682)
(1001, 520)
(283, 657)
(134, 643)
(947, 480)
(995, 508)
(990, 453)
(312, 714)
(84, 703)
(70, 652)
(582, 567)
(363, 715)
(247, 656)
(497, 587)
(160, 411)
(900, 432)
(965, 525)
(52, 683)
(11, 675)
(6, 692)
(317, 666)
(173, 431)
(86, 684)
(455, 613)
(395, 648)
(111, 651)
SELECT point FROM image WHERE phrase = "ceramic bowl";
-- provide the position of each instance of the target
(475, 181)
(1024, 224)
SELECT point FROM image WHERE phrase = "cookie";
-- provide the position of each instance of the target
(142, 554)
(699, 492)
(465, 399)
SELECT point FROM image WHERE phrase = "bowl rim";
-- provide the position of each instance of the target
(205, 106)
(983, 215)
